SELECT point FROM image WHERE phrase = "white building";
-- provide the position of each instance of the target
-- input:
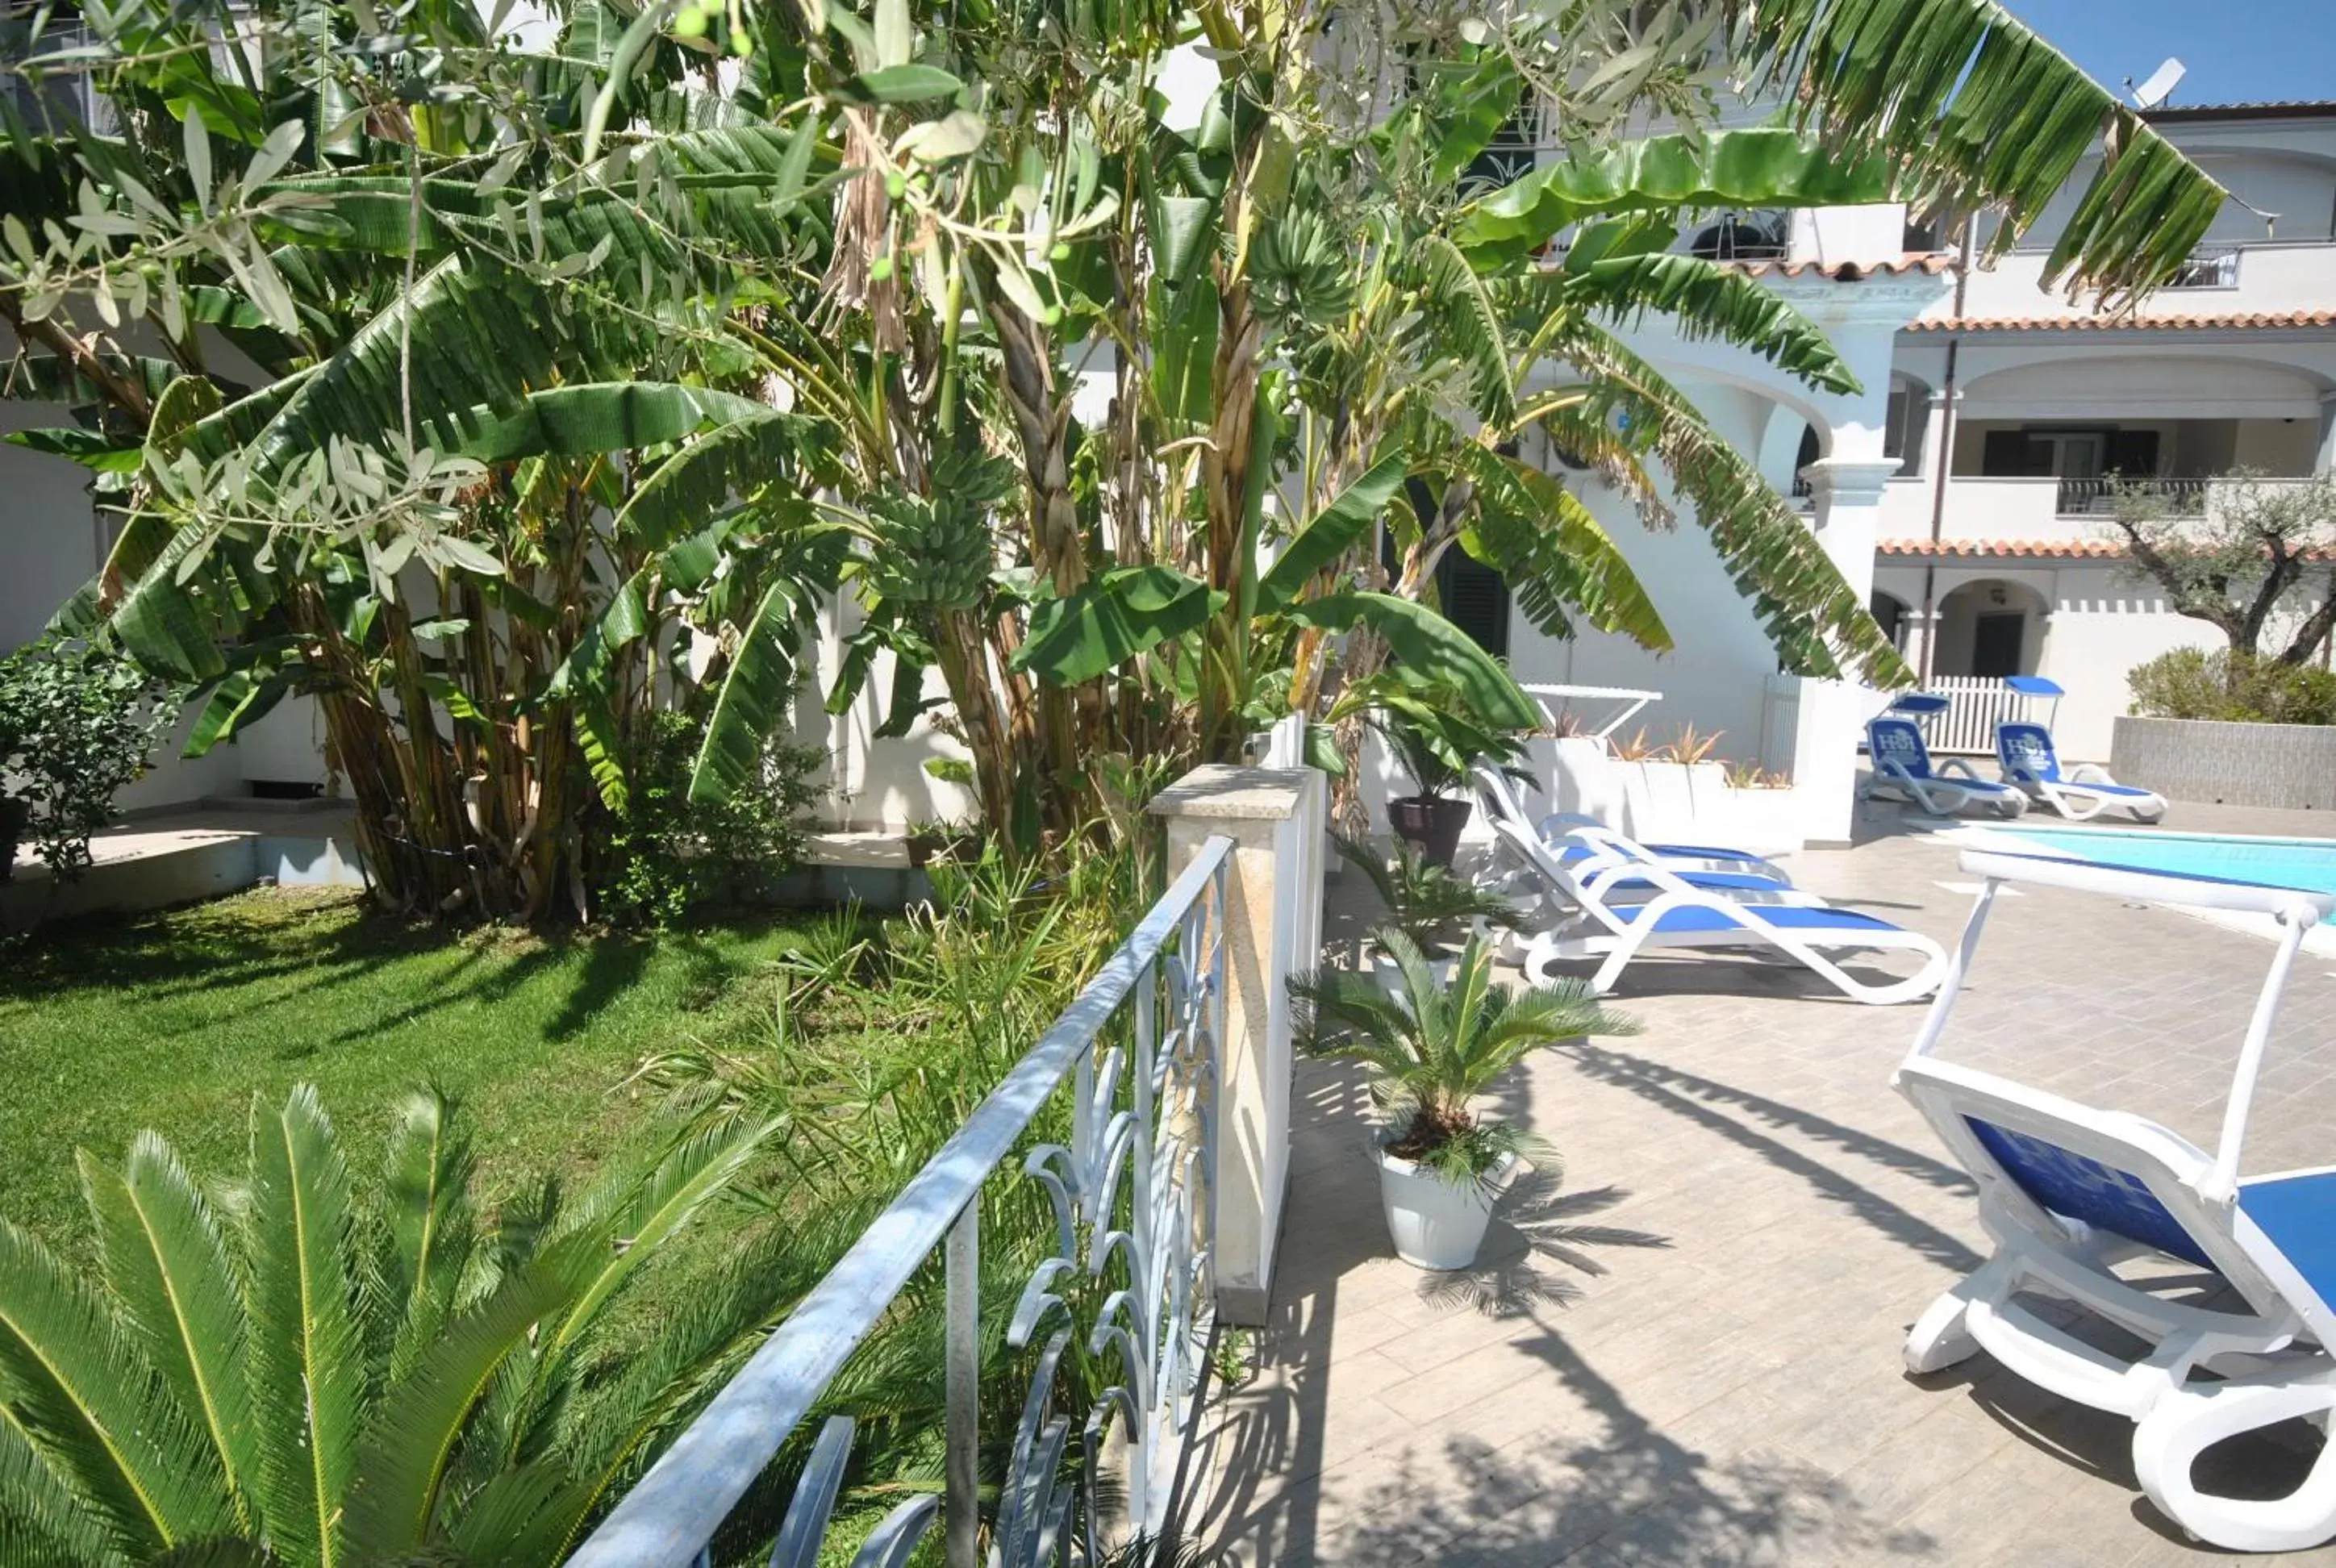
(2001, 568)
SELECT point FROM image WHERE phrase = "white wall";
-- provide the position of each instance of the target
(2103, 621)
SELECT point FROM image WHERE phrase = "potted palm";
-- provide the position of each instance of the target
(1434, 1048)
(1433, 905)
(1437, 738)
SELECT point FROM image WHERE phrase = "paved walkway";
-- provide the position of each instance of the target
(1690, 1355)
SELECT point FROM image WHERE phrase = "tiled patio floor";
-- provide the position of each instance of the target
(1755, 1219)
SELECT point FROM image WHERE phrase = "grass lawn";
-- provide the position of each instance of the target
(173, 1021)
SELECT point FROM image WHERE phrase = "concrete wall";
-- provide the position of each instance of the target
(2289, 765)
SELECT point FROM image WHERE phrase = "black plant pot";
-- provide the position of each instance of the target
(15, 816)
(1430, 822)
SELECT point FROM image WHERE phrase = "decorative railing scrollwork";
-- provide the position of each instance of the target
(1130, 1195)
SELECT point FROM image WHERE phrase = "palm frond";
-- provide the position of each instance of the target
(1557, 558)
(48, 1524)
(1757, 167)
(413, 1428)
(1816, 624)
(684, 1181)
(166, 1262)
(1705, 298)
(1468, 325)
(432, 1223)
(85, 1396)
(306, 1352)
(1976, 109)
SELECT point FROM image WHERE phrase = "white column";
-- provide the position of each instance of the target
(1273, 923)
(1848, 495)
(2325, 461)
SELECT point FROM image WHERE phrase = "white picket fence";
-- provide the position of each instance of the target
(1976, 703)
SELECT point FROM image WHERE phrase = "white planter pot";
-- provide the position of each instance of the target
(1433, 1223)
(1441, 966)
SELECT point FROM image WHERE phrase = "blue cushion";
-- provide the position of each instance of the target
(1785, 916)
(2084, 1188)
(2299, 1215)
(1716, 882)
(1576, 851)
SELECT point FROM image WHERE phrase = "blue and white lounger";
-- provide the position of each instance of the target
(1902, 770)
(2067, 1192)
(2032, 765)
(1652, 907)
(1586, 845)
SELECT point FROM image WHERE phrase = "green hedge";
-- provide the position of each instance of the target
(2193, 683)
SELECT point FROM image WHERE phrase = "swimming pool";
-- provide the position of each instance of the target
(2308, 864)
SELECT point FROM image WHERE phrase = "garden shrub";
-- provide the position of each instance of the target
(2195, 683)
(669, 853)
(77, 723)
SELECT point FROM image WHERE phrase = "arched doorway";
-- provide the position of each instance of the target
(1991, 629)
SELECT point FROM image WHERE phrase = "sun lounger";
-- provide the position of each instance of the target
(1668, 911)
(2067, 1191)
(1585, 845)
(1902, 770)
(2031, 764)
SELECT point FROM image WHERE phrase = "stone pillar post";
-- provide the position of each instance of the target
(1848, 495)
(1273, 925)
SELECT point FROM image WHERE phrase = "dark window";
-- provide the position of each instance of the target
(2011, 454)
(1742, 238)
(2134, 453)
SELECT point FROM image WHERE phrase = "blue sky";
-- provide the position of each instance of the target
(2236, 49)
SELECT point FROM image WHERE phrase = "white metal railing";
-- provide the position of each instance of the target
(1133, 1202)
(1975, 704)
(1556, 702)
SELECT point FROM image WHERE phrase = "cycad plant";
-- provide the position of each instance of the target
(293, 1370)
(1428, 903)
(1433, 1049)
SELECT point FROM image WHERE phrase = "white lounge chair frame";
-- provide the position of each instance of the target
(2208, 1375)
(1498, 796)
(1947, 788)
(2073, 791)
(1584, 924)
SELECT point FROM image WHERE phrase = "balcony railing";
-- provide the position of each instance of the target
(2096, 497)
(2208, 266)
(2181, 497)
(1131, 1196)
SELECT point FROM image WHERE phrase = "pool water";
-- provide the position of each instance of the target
(2308, 864)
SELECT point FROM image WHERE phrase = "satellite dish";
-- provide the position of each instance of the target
(2153, 92)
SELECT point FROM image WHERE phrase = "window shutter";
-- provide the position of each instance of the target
(1475, 599)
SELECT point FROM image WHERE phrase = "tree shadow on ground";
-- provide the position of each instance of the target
(1701, 1101)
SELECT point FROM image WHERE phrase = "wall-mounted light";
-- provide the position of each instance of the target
(1995, 596)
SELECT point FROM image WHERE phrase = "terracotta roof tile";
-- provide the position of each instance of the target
(1930, 263)
(2261, 108)
(2041, 548)
(2289, 318)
